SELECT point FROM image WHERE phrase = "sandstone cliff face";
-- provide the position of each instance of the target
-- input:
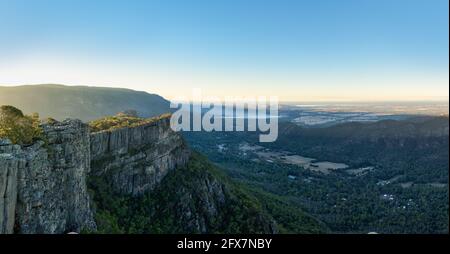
(52, 196)
(46, 183)
(136, 159)
(43, 186)
(9, 166)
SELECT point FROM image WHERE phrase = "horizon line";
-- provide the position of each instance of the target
(441, 99)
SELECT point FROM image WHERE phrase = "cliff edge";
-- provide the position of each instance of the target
(43, 187)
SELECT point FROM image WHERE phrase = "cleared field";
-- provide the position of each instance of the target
(312, 164)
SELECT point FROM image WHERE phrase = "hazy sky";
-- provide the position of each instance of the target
(298, 50)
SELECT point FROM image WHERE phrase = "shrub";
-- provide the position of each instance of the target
(19, 128)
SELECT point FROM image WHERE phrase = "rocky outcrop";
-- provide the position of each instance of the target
(46, 182)
(136, 159)
(52, 196)
(43, 187)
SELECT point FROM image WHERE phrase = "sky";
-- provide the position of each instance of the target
(325, 50)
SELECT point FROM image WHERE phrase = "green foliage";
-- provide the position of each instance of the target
(107, 223)
(19, 128)
(345, 203)
(290, 218)
(122, 120)
(10, 111)
(184, 197)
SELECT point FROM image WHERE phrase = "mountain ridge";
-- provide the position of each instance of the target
(81, 102)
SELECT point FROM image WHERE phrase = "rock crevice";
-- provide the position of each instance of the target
(136, 159)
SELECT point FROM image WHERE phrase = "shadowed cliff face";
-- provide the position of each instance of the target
(137, 159)
(9, 166)
(43, 186)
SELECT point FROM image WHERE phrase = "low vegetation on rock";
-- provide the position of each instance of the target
(17, 127)
(125, 119)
